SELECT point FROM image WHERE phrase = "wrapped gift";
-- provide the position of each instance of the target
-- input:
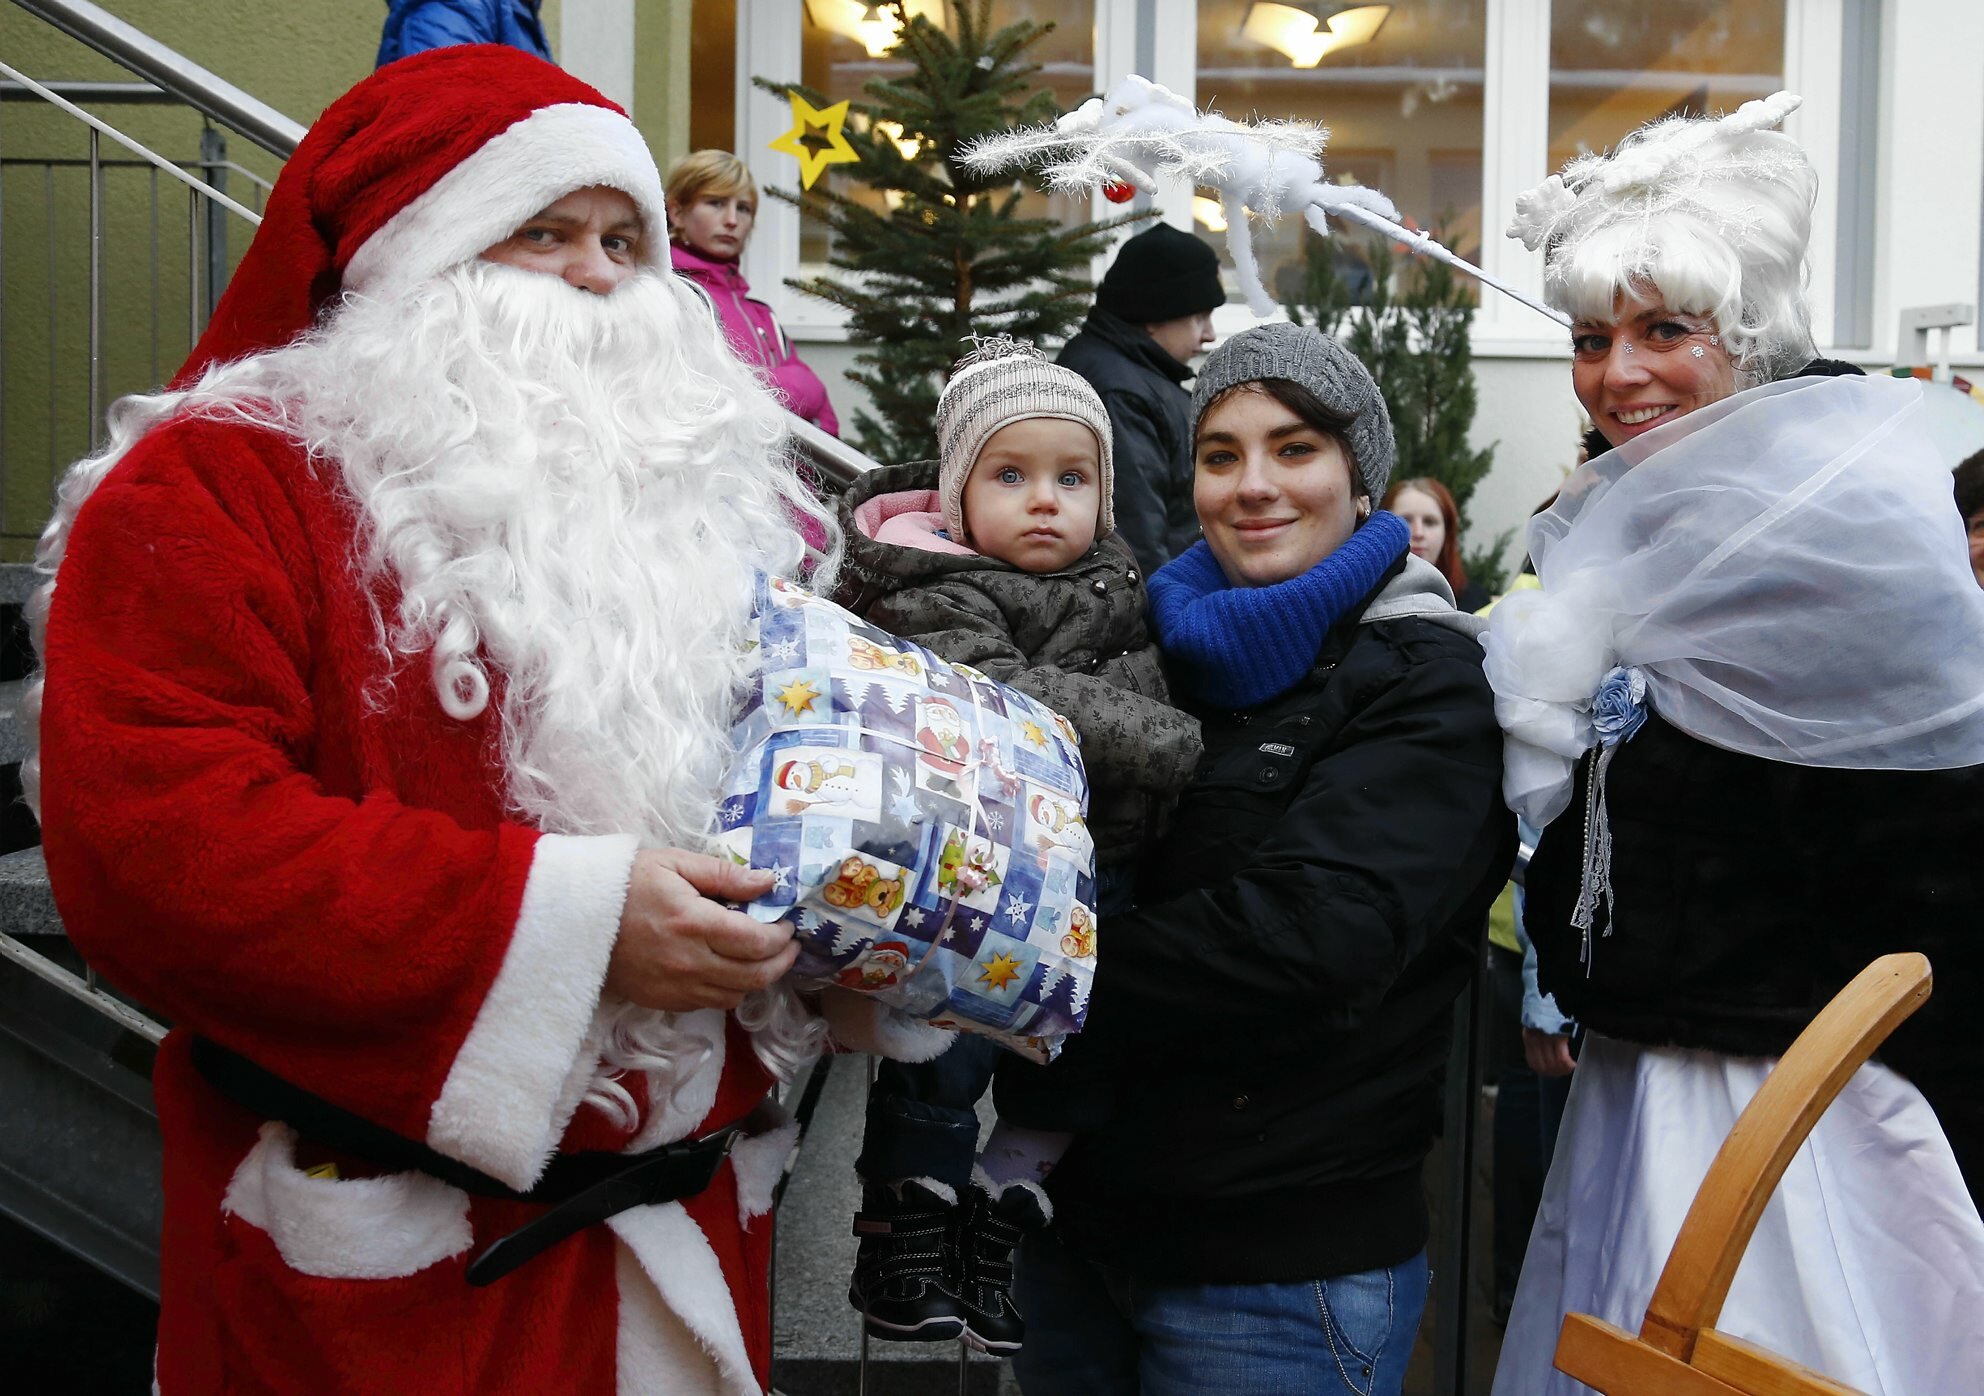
(925, 827)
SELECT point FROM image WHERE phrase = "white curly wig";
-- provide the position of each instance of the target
(1710, 215)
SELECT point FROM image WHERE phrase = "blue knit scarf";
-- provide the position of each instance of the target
(1240, 646)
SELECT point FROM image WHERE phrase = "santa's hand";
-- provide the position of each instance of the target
(679, 950)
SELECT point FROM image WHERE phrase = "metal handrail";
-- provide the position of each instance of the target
(839, 464)
(105, 128)
(118, 93)
(81, 989)
(137, 52)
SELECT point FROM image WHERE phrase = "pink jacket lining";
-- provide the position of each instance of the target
(908, 519)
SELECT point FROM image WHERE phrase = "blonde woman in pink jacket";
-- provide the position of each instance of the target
(712, 203)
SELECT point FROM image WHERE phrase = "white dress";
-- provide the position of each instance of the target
(1867, 1265)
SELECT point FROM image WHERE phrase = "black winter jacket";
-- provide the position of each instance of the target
(1078, 640)
(1274, 1016)
(1150, 417)
(1747, 892)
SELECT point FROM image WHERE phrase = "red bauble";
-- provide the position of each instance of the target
(1119, 192)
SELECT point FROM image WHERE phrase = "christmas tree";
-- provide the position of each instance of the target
(1411, 330)
(938, 254)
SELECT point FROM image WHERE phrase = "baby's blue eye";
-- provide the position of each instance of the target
(1009, 475)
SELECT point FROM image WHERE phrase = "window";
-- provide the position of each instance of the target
(1403, 111)
(1615, 64)
(835, 60)
(713, 75)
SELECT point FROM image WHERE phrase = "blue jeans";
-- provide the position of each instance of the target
(1091, 1331)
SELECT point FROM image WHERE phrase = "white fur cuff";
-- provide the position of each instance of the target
(507, 1098)
(860, 1023)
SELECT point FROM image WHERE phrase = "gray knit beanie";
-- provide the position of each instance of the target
(1004, 381)
(1306, 356)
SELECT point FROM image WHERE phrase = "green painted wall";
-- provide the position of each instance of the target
(296, 55)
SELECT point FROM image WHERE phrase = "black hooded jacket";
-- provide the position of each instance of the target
(1270, 1024)
(1150, 417)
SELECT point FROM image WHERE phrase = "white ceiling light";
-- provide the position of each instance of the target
(1305, 37)
(875, 27)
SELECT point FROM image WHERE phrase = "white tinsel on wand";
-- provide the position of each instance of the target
(1140, 131)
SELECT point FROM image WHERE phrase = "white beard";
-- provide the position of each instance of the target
(574, 490)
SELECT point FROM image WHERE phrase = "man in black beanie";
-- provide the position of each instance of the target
(1153, 311)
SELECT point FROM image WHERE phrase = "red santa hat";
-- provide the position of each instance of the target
(417, 169)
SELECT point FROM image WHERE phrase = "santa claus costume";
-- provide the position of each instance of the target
(372, 652)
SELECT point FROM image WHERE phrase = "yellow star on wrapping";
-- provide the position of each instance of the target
(827, 123)
(1000, 970)
(1034, 733)
(799, 696)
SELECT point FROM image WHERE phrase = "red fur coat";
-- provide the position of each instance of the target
(252, 833)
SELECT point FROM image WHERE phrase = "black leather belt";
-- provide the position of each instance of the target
(578, 1190)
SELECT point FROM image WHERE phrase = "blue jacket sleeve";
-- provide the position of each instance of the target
(425, 24)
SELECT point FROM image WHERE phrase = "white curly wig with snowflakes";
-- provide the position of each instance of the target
(1709, 215)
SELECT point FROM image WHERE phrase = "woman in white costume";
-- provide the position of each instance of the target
(1747, 709)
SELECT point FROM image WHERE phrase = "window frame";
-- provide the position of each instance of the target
(1159, 38)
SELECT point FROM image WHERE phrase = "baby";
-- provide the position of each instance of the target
(1002, 555)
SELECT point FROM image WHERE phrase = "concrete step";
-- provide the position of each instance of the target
(27, 905)
(13, 747)
(816, 1337)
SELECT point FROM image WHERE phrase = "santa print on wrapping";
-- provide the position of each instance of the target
(926, 827)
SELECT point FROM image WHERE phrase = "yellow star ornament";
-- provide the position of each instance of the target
(826, 124)
(798, 696)
(999, 971)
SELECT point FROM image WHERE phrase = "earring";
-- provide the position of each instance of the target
(1698, 351)
(1712, 339)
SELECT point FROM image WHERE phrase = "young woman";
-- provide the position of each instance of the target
(1747, 710)
(712, 203)
(1269, 1025)
(1428, 508)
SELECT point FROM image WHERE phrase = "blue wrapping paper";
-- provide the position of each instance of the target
(925, 827)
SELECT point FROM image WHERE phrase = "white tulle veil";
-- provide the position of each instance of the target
(1787, 568)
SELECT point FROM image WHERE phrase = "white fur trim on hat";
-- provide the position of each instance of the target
(516, 173)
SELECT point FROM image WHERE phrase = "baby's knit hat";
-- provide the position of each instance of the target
(1003, 381)
(1302, 354)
